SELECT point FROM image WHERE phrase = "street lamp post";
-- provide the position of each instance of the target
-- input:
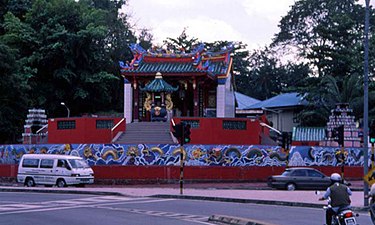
(62, 103)
(365, 103)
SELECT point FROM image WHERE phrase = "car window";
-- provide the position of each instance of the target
(313, 173)
(286, 173)
(299, 173)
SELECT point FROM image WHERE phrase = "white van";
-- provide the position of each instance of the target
(49, 170)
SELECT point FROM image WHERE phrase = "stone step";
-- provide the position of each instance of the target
(146, 132)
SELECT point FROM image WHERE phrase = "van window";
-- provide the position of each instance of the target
(61, 163)
(78, 163)
(46, 163)
(31, 163)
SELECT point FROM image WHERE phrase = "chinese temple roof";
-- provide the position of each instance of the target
(213, 64)
(159, 85)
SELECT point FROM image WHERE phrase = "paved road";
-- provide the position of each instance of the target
(63, 209)
(77, 209)
(240, 193)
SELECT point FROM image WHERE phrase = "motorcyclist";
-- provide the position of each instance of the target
(372, 202)
(339, 194)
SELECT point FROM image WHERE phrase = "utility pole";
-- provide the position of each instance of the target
(365, 102)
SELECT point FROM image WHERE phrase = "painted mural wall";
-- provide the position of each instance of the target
(194, 155)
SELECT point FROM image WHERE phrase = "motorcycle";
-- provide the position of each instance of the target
(372, 209)
(344, 216)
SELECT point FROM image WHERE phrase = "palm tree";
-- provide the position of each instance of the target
(324, 96)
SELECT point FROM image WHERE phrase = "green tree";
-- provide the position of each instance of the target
(63, 50)
(267, 76)
(328, 35)
(181, 43)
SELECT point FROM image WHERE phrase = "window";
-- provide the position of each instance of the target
(46, 163)
(193, 123)
(234, 125)
(78, 163)
(30, 163)
(66, 124)
(299, 173)
(104, 124)
(61, 163)
(313, 173)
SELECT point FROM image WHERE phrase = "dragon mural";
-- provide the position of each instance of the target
(194, 155)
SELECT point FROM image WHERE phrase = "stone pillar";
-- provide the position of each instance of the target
(220, 101)
(128, 101)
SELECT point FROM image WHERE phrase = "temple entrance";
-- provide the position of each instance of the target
(158, 103)
(183, 103)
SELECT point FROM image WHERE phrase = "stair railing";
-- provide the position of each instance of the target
(114, 127)
(39, 139)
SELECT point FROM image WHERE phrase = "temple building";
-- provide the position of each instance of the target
(159, 84)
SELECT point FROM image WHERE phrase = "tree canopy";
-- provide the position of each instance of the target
(60, 51)
(54, 51)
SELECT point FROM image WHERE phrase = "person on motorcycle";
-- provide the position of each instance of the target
(372, 203)
(339, 194)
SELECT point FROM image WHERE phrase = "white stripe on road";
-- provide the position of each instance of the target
(71, 204)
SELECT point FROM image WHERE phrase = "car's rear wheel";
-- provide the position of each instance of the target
(291, 186)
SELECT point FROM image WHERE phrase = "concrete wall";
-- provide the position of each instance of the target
(152, 163)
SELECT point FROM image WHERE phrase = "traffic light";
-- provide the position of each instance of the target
(282, 140)
(372, 132)
(186, 136)
(178, 131)
(338, 134)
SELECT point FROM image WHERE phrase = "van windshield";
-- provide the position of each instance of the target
(78, 163)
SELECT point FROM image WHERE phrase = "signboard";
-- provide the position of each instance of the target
(370, 177)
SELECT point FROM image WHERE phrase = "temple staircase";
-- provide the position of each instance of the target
(146, 133)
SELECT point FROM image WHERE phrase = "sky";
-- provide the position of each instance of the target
(254, 22)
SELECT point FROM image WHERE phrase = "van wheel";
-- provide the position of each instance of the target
(60, 183)
(29, 182)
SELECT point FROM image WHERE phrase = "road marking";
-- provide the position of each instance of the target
(66, 204)
(178, 216)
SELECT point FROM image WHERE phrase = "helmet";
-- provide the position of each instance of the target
(335, 177)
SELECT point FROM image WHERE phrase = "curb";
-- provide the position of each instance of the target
(235, 220)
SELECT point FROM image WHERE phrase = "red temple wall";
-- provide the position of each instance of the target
(84, 132)
(197, 173)
(211, 131)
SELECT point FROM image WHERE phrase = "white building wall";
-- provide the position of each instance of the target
(220, 101)
(230, 107)
(128, 102)
(225, 100)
